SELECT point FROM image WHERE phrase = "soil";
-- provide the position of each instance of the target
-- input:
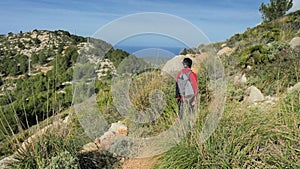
(139, 163)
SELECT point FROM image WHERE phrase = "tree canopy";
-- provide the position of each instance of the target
(275, 9)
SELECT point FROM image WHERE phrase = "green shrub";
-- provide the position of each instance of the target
(234, 93)
(63, 160)
(95, 160)
(275, 76)
(260, 53)
(254, 54)
(105, 102)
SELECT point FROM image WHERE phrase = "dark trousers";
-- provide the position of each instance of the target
(185, 106)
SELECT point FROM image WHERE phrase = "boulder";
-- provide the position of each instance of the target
(254, 96)
(295, 43)
(116, 129)
(174, 65)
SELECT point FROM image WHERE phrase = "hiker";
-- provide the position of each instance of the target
(186, 88)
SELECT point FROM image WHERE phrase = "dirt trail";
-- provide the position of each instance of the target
(139, 163)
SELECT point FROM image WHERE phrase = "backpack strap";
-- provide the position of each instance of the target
(189, 73)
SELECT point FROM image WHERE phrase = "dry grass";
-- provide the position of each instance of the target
(247, 137)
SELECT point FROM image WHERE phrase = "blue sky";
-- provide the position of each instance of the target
(218, 19)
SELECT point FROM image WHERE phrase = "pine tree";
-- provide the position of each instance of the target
(275, 9)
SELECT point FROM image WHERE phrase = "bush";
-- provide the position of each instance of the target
(63, 160)
(95, 160)
(274, 77)
(260, 53)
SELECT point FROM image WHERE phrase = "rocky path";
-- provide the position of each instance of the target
(139, 163)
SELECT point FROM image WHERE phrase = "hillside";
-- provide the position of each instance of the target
(36, 72)
(260, 126)
(265, 53)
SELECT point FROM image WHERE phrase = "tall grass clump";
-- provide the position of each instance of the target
(154, 103)
(56, 146)
(245, 138)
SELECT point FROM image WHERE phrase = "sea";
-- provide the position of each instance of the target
(145, 51)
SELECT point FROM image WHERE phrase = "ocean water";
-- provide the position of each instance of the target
(145, 51)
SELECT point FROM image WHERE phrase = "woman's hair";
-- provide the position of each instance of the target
(187, 63)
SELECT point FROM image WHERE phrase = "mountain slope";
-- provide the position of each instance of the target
(256, 134)
(36, 75)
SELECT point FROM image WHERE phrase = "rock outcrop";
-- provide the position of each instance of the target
(175, 64)
(226, 51)
(104, 142)
(106, 139)
(106, 67)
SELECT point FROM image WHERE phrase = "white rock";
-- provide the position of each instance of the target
(293, 88)
(243, 79)
(116, 129)
(89, 147)
(223, 45)
(226, 51)
(255, 95)
(240, 80)
(295, 42)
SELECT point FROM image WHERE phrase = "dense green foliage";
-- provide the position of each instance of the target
(275, 9)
